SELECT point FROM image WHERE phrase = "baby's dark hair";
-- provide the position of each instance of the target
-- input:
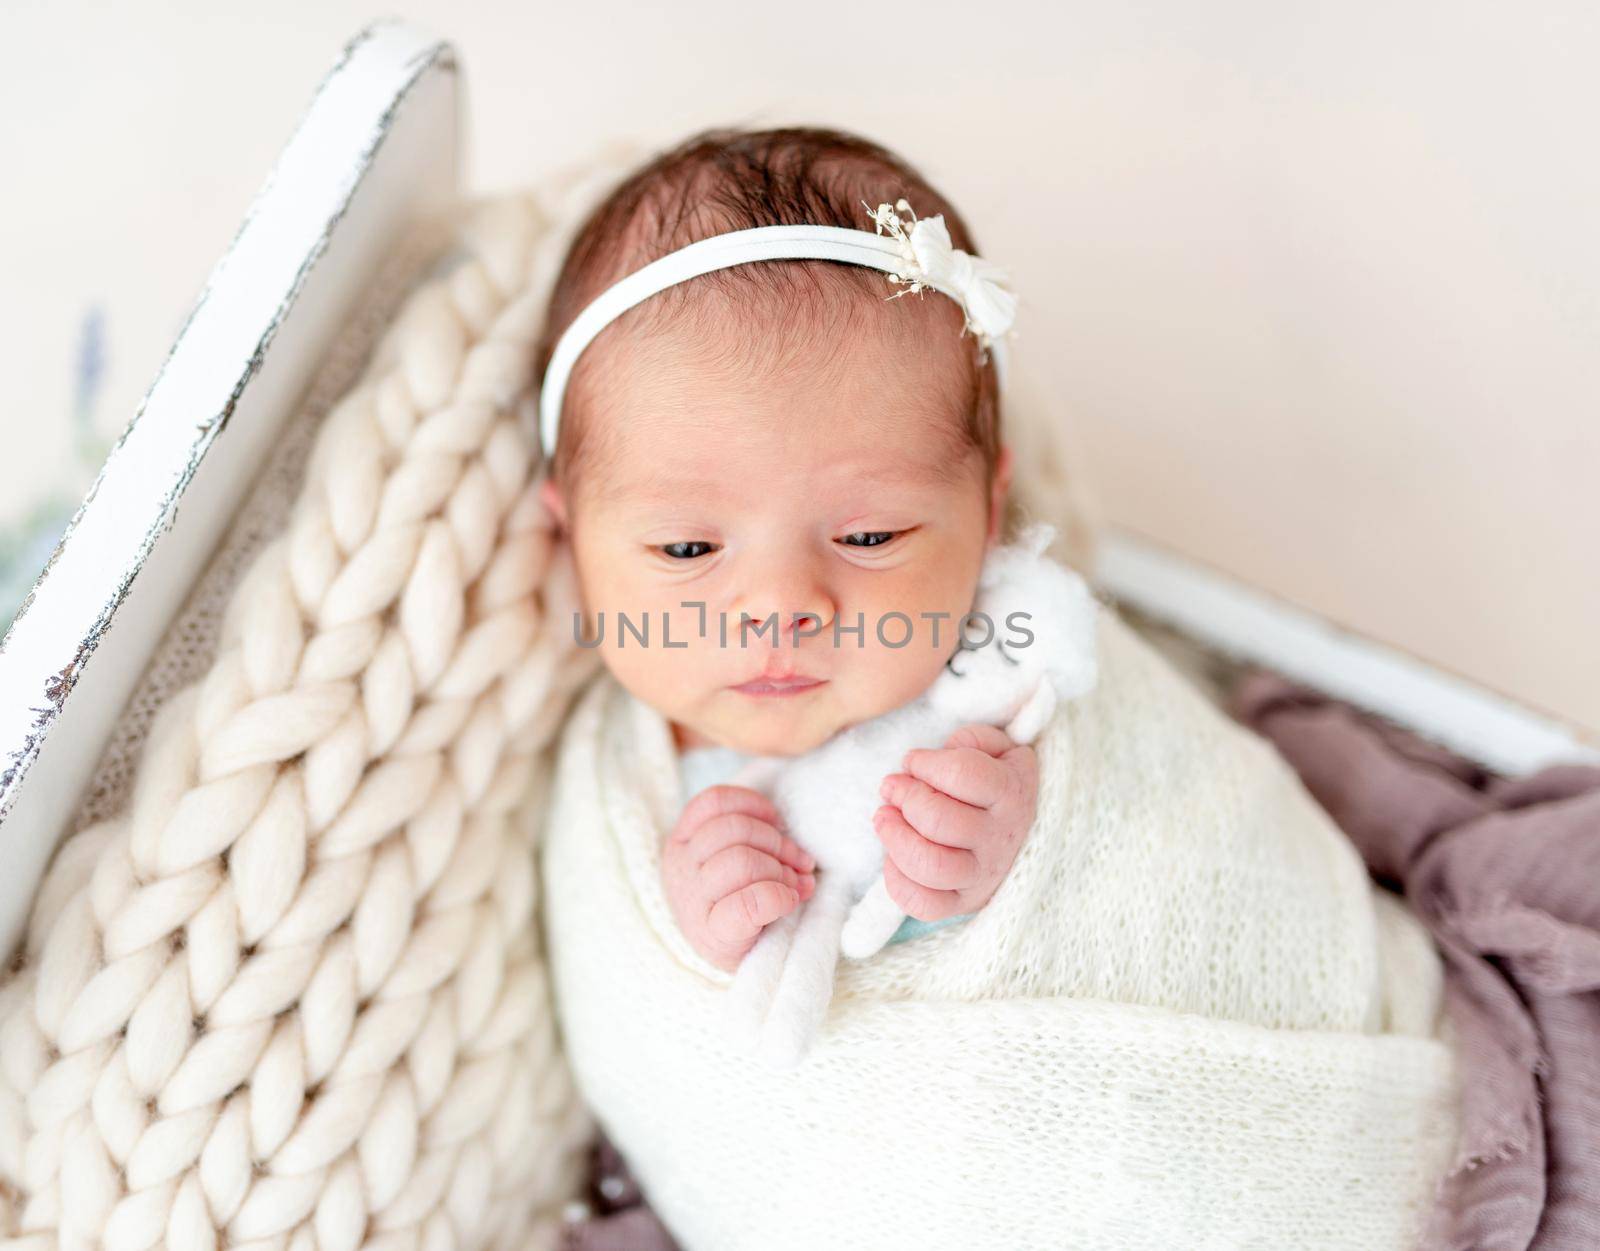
(727, 179)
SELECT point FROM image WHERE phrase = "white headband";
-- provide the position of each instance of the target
(921, 256)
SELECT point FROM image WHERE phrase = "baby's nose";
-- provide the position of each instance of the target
(792, 624)
(786, 592)
(794, 616)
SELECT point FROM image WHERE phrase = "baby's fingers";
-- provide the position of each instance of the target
(736, 917)
(917, 900)
(731, 829)
(741, 864)
(934, 814)
(986, 738)
(974, 774)
(927, 863)
(721, 801)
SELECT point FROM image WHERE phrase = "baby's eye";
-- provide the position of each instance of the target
(870, 538)
(677, 550)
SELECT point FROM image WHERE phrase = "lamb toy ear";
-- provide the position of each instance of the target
(1035, 537)
(1029, 542)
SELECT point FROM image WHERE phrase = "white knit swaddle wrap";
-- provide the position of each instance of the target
(294, 998)
(1185, 1019)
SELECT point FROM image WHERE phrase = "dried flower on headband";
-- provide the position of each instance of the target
(979, 286)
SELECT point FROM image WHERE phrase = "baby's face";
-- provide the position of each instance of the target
(815, 478)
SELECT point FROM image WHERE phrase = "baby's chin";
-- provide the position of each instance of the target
(770, 736)
(775, 726)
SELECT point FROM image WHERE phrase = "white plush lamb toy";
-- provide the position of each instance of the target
(1039, 618)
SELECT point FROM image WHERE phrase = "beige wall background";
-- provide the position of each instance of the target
(1316, 286)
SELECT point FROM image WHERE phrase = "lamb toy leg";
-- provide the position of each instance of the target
(1029, 723)
(872, 922)
(806, 987)
(755, 985)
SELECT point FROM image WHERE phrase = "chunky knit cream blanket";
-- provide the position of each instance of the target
(293, 996)
(1186, 1019)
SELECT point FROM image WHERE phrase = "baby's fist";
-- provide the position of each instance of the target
(729, 871)
(954, 819)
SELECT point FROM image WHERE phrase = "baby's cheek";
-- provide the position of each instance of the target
(670, 679)
(887, 677)
(910, 631)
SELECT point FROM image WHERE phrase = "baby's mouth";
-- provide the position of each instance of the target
(791, 684)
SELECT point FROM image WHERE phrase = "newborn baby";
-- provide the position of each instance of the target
(779, 485)
(1176, 993)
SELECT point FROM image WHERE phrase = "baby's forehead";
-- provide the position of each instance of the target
(675, 459)
(846, 340)
(713, 379)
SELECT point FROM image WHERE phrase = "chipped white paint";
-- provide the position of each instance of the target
(376, 150)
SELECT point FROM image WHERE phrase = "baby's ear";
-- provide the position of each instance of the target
(554, 501)
(997, 495)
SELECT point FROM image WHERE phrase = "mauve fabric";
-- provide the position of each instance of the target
(620, 1219)
(1505, 873)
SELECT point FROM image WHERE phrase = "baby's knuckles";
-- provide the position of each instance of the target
(939, 867)
(965, 770)
(1023, 768)
(722, 883)
(998, 834)
(916, 900)
(1009, 822)
(733, 868)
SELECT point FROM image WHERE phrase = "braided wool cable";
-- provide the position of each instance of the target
(294, 997)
